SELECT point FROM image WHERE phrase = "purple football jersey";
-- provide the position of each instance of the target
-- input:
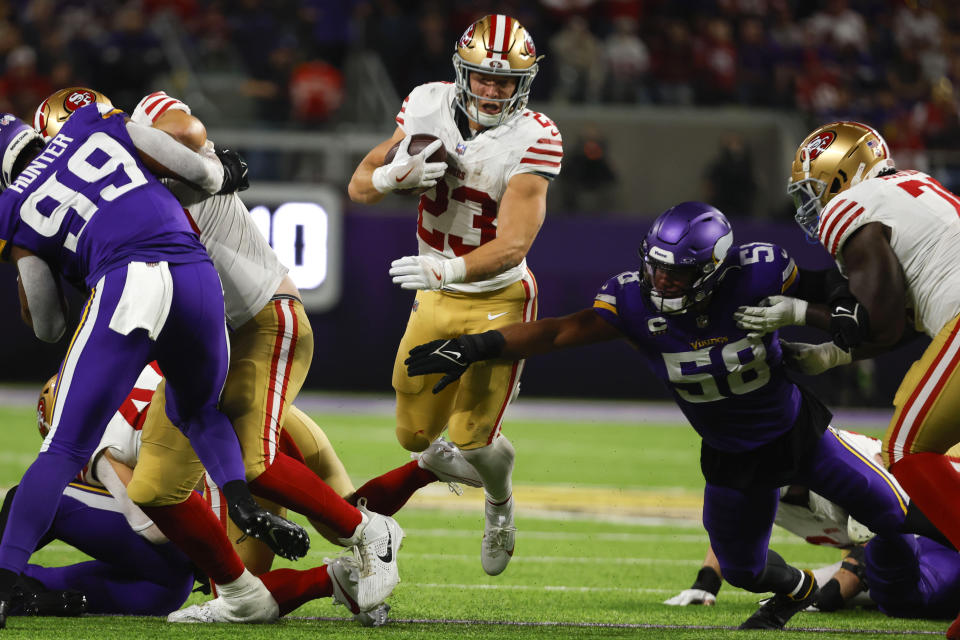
(733, 390)
(88, 204)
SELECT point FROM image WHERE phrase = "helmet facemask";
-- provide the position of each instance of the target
(469, 102)
(694, 284)
(831, 159)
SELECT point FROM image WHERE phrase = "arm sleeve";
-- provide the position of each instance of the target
(820, 287)
(43, 298)
(201, 169)
(135, 517)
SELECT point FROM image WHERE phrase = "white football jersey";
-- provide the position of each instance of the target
(825, 523)
(924, 222)
(460, 212)
(249, 269)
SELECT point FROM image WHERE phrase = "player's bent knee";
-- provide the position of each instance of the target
(413, 440)
(147, 494)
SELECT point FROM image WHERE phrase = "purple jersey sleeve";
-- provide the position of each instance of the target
(732, 388)
(87, 203)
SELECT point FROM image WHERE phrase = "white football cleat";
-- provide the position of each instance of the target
(377, 541)
(251, 601)
(499, 537)
(444, 460)
(375, 617)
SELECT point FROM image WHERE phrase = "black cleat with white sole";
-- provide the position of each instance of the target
(777, 611)
(286, 539)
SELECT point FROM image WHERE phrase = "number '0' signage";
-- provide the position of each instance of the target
(298, 232)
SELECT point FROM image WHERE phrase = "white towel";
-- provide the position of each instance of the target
(146, 298)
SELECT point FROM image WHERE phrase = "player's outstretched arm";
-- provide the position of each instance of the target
(361, 188)
(705, 588)
(514, 342)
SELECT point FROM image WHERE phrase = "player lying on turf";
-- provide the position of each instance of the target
(99, 518)
(87, 208)
(759, 430)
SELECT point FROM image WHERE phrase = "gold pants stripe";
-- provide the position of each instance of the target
(927, 401)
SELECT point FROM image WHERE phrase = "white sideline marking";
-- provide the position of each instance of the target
(558, 559)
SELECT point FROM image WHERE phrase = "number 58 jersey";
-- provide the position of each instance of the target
(924, 222)
(732, 389)
(460, 213)
(87, 204)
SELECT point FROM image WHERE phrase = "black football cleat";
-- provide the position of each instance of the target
(286, 539)
(776, 611)
(31, 598)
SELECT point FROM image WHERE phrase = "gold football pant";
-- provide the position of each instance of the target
(319, 456)
(472, 408)
(927, 404)
(269, 359)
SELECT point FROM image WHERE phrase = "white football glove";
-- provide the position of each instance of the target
(692, 596)
(813, 359)
(409, 171)
(427, 272)
(774, 312)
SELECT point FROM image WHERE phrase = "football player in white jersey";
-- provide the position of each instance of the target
(480, 212)
(896, 236)
(271, 347)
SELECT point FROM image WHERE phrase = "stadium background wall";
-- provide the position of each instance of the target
(572, 257)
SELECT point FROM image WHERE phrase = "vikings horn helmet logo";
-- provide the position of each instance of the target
(54, 111)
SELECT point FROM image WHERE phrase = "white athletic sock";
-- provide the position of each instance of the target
(494, 464)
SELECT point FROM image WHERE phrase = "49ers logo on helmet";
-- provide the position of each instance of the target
(819, 144)
(467, 36)
(78, 99)
(528, 45)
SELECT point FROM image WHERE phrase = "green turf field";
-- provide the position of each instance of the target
(595, 555)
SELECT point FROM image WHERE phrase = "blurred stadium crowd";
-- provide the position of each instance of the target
(894, 63)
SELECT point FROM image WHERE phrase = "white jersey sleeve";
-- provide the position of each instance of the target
(154, 105)
(924, 222)
(460, 213)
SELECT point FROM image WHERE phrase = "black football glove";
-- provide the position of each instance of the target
(234, 171)
(849, 323)
(453, 356)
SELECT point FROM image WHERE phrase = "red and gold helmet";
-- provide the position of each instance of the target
(833, 158)
(499, 45)
(54, 111)
(45, 406)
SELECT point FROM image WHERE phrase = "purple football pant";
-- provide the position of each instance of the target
(739, 523)
(129, 576)
(100, 368)
(913, 577)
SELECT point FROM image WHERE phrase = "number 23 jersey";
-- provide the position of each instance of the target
(732, 389)
(460, 213)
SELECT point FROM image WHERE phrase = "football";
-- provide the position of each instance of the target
(418, 142)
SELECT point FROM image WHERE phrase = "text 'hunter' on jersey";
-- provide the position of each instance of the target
(732, 389)
(87, 203)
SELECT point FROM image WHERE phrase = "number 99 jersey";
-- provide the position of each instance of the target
(460, 213)
(731, 388)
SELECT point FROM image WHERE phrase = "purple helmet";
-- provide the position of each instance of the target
(689, 242)
(15, 136)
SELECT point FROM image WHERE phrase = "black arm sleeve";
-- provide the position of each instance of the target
(820, 287)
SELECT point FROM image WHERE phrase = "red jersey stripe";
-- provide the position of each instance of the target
(545, 152)
(846, 225)
(536, 161)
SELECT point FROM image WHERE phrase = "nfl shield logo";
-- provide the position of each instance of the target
(461, 148)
